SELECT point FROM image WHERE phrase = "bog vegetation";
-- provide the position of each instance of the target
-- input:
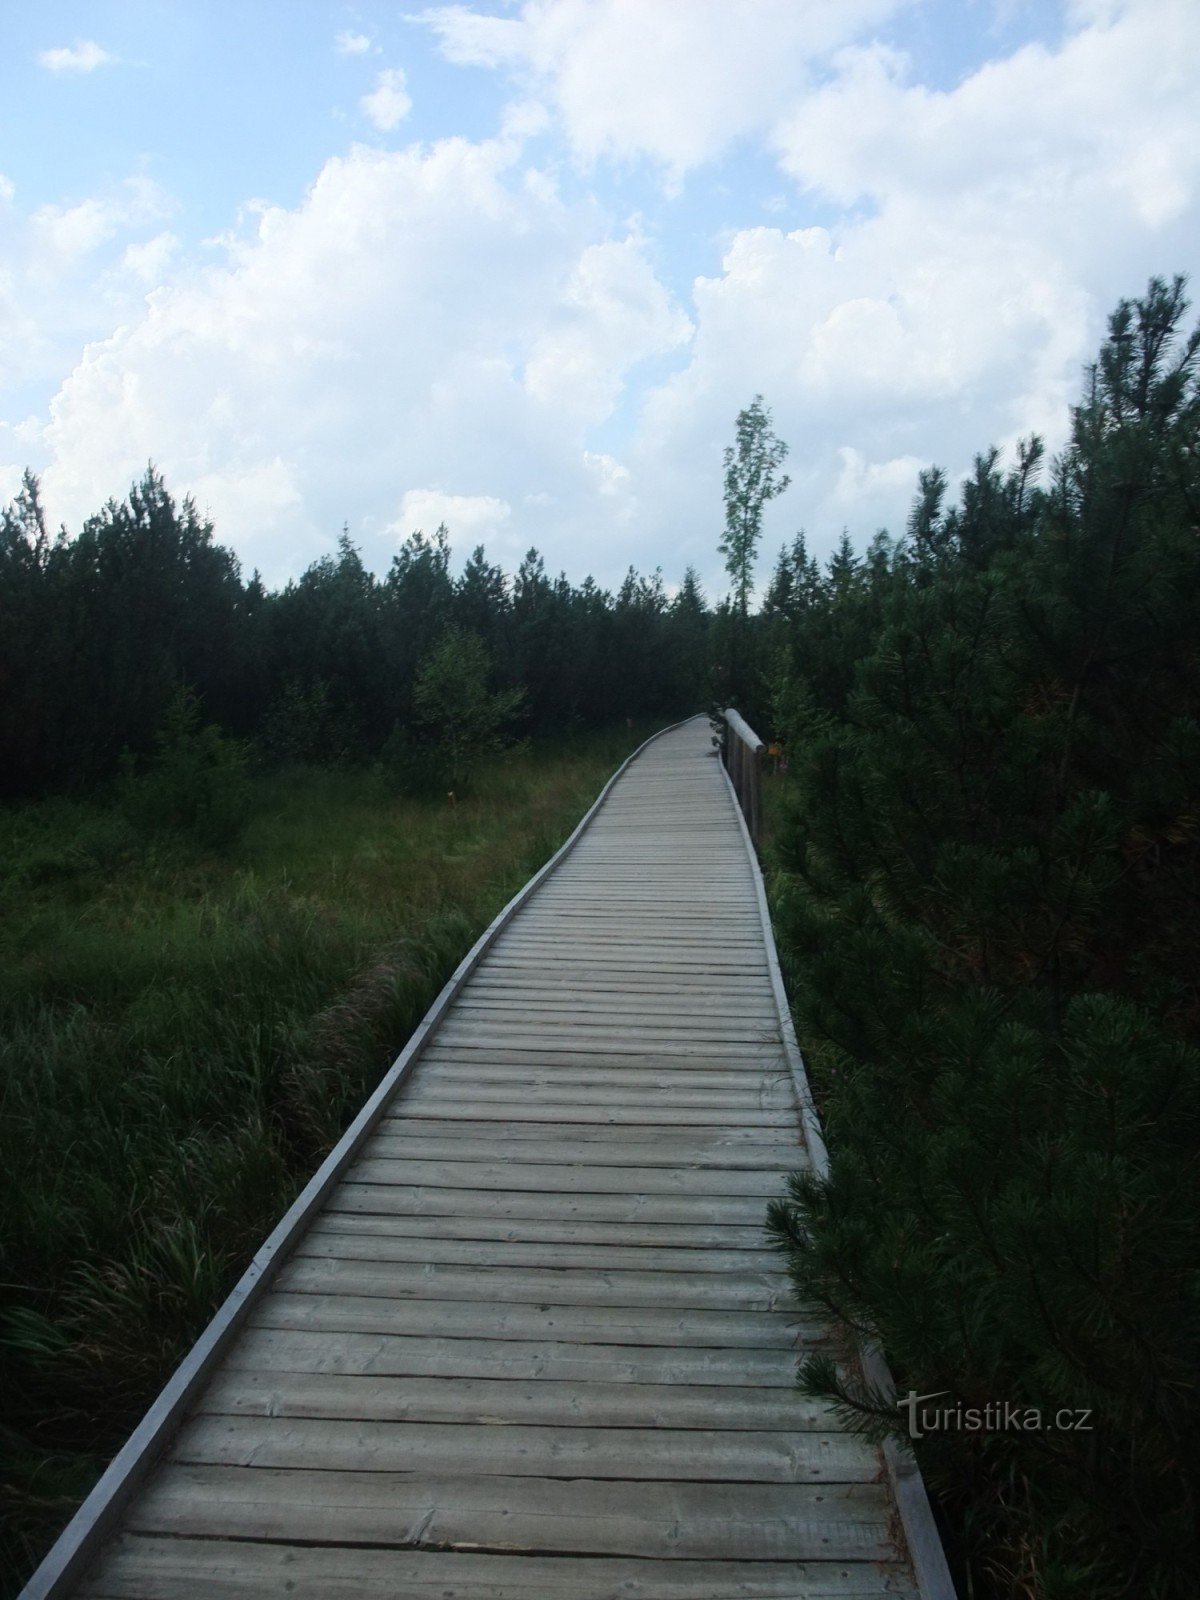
(188, 1023)
(249, 832)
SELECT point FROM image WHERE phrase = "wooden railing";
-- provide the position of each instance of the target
(742, 752)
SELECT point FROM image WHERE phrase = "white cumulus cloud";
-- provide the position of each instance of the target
(388, 103)
(366, 354)
(351, 44)
(59, 236)
(675, 82)
(85, 55)
(471, 518)
(612, 313)
(148, 260)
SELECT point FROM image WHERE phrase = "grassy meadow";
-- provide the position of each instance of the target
(184, 1034)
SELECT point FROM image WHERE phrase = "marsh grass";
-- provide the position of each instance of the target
(184, 1035)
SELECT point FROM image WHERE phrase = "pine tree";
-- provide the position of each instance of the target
(986, 895)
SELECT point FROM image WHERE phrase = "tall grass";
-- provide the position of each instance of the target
(183, 1035)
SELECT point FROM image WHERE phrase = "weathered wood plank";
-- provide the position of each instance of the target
(313, 1270)
(344, 1265)
(154, 1568)
(614, 975)
(679, 1455)
(659, 1071)
(402, 1141)
(546, 1360)
(619, 999)
(298, 1303)
(274, 1392)
(467, 1066)
(713, 1137)
(560, 1178)
(753, 1042)
(756, 1096)
(415, 1200)
(625, 1233)
(388, 1239)
(687, 1107)
(587, 1517)
(611, 1023)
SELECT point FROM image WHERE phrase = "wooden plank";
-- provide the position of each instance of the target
(698, 954)
(574, 894)
(349, 1264)
(623, 1010)
(698, 926)
(415, 1200)
(659, 1070)
(591, 1051)
(567, 1180)
(639, 1087)
(613, 975)
(390, 1240)
(690, 1237)
(584, 1516)
(611, 1022)
(576, 942)
(748, 1050)
(399, 1141)
(467, 1066)
(524, 1177)
(154, 1568)
(663, 1007)
(759, 1096)
(337, 1267)
(513, 991)
(449, 1108)
(272, 1392)
(517, 1450)
(468, 1319)
(581, 1366)
(478, 1101)
(713, 1137)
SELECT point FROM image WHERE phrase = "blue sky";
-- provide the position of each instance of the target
(518, 266)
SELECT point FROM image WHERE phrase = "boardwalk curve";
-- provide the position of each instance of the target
(523, 1337)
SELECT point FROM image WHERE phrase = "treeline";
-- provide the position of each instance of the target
(102, 632)
(987, 889)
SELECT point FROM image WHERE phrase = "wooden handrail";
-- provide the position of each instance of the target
(742, 752)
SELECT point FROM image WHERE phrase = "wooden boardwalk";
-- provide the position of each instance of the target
(532, 1343)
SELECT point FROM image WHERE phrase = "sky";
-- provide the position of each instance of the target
(517, 267)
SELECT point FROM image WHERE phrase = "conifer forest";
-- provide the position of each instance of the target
(983, 859)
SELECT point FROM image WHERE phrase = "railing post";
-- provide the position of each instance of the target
(743, 761)
(755, 760)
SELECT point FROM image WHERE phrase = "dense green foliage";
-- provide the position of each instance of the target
(184, 1033)
(987, 886)
(101, 632)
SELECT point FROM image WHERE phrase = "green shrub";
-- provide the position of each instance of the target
(196, 784)
(459, 720)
